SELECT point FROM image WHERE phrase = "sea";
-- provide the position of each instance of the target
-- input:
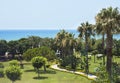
(9, 35)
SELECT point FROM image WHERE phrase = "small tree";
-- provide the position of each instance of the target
(13, 73)
(38, 62)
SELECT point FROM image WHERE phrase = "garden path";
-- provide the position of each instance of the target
(90, 76)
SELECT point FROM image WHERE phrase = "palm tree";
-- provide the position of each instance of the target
(85, 32)
(109, 20)
(65, 42)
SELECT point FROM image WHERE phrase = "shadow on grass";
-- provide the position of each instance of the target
(42, 71)
(31, 70)
(48, 72)
(40, 78)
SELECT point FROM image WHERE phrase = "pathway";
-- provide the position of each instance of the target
(90, 76)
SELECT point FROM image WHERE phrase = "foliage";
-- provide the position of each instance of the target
(38, 62)
(14, 63)
(42, 51)
(29, 54)
(70, 62)
(108, 22)
(12, 46)
(115, 72)
(47, 53)
(3, 47)
(65, 43)
(13, 73)
(102, 75)
(116, 47)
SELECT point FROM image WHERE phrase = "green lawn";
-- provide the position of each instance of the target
(51, 76)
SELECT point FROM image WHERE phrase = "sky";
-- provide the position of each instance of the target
(50, 14)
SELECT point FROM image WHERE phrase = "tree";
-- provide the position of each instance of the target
(109, 21)
(13, 73)
(3, 47)
(34, 41)
(46, 52)
(65, 42)
(86, 30)
(23, 45)
(42, 51)
(12, 47)
(37, 63)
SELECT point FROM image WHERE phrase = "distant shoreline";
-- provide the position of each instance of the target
(9, 35)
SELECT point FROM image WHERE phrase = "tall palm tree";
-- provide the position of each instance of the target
(65, 42)
(109, 19)
(86, 30)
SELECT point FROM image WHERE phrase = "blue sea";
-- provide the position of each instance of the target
(17, 34)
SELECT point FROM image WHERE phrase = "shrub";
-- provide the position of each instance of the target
(14, 63)
(42, 51)
(102, 75)
(13, 73)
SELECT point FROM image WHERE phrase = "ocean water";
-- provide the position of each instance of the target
(17, 34)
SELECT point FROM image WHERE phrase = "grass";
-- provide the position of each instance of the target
(54, 76)
(51, 76)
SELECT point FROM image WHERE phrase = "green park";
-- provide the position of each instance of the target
(66, 58)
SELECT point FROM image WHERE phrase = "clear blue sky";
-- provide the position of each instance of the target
(50, 14)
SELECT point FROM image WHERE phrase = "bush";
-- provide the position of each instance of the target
(102, 75)
(13, 73)
(42, 51)
(1, 72)
(14, 63)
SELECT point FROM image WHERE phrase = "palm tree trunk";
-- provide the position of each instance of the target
(109, 44)
(87, 66)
